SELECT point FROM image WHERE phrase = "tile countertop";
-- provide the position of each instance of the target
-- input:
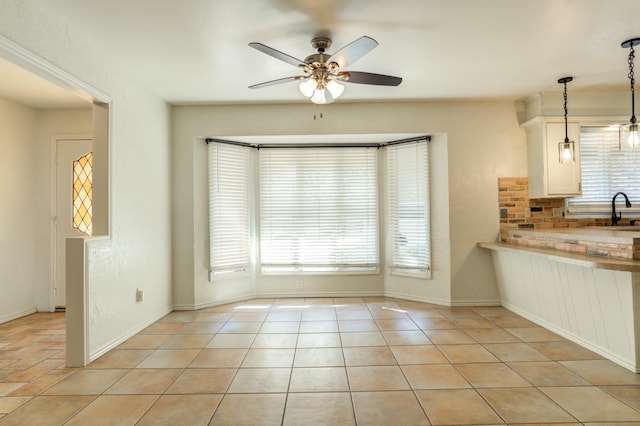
(600, 234)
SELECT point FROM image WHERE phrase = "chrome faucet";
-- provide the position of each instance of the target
(616, 217)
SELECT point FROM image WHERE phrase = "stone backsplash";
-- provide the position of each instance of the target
(519, 213)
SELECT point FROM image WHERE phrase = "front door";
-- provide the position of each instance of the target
(73, 203)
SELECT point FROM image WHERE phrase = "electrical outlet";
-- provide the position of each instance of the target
(139, 295)
(527, 212)
(300, 284)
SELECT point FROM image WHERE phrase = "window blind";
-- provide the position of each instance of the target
(408, 211)
(229, 217)
(607, 167)
(318, 209)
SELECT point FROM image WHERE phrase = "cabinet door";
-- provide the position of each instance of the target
(562, 178)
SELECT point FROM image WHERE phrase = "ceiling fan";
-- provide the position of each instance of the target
(323, 73)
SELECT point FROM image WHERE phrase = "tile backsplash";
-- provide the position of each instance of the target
(519, 215)
(517, 211)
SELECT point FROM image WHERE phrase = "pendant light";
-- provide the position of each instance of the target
(630, 131)
(566, 148)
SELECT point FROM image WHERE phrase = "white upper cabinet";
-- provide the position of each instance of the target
(548, 178)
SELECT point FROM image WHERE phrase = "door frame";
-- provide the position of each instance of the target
(53, 233)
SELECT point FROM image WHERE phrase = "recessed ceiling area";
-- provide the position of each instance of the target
(197, 51)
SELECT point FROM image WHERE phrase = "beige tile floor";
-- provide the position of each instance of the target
(366, 361)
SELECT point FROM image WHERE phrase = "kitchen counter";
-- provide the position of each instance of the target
(605, 234)
(584, 260)
(592, 300)
(621, 242)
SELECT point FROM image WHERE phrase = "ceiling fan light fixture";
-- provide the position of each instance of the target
(335, 88)
(308, 86)
(321, 97)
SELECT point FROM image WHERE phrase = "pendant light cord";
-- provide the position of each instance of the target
(632, 55)
(566, 130)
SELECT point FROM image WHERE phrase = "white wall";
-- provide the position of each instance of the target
(476, 143)
(18, 217)
(485, 142)
(136, 253)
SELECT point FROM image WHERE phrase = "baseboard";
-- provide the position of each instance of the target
(574, 338)
(442, 302)
(462, 303)
(278, 295)
(16, 315)
(98, 353)
(430, 300)
(211, 304)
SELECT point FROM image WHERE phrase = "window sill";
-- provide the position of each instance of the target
(306, 271)
(411, 273)
(226, 276)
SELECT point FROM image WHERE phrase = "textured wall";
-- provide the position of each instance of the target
(136, 253)
(18, 216)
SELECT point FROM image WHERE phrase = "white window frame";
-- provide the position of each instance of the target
(607, 168)
(408, 185)
(229, 168)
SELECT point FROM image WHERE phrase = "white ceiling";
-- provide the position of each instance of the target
(196, 51)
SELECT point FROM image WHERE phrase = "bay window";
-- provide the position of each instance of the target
(316, 208)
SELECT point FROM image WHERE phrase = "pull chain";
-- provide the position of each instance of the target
(315, 114)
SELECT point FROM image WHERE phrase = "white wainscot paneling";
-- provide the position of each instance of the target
(595, 308)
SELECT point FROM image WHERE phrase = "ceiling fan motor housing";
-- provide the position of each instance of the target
(317, 58)
(321, 44)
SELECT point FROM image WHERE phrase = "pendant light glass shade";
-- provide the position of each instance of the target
(630, 136)
(566, 152)
(566, 148)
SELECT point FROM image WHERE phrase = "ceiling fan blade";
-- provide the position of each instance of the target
(278, 81)
(353, 51)
(277, 54)
(369, 78)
